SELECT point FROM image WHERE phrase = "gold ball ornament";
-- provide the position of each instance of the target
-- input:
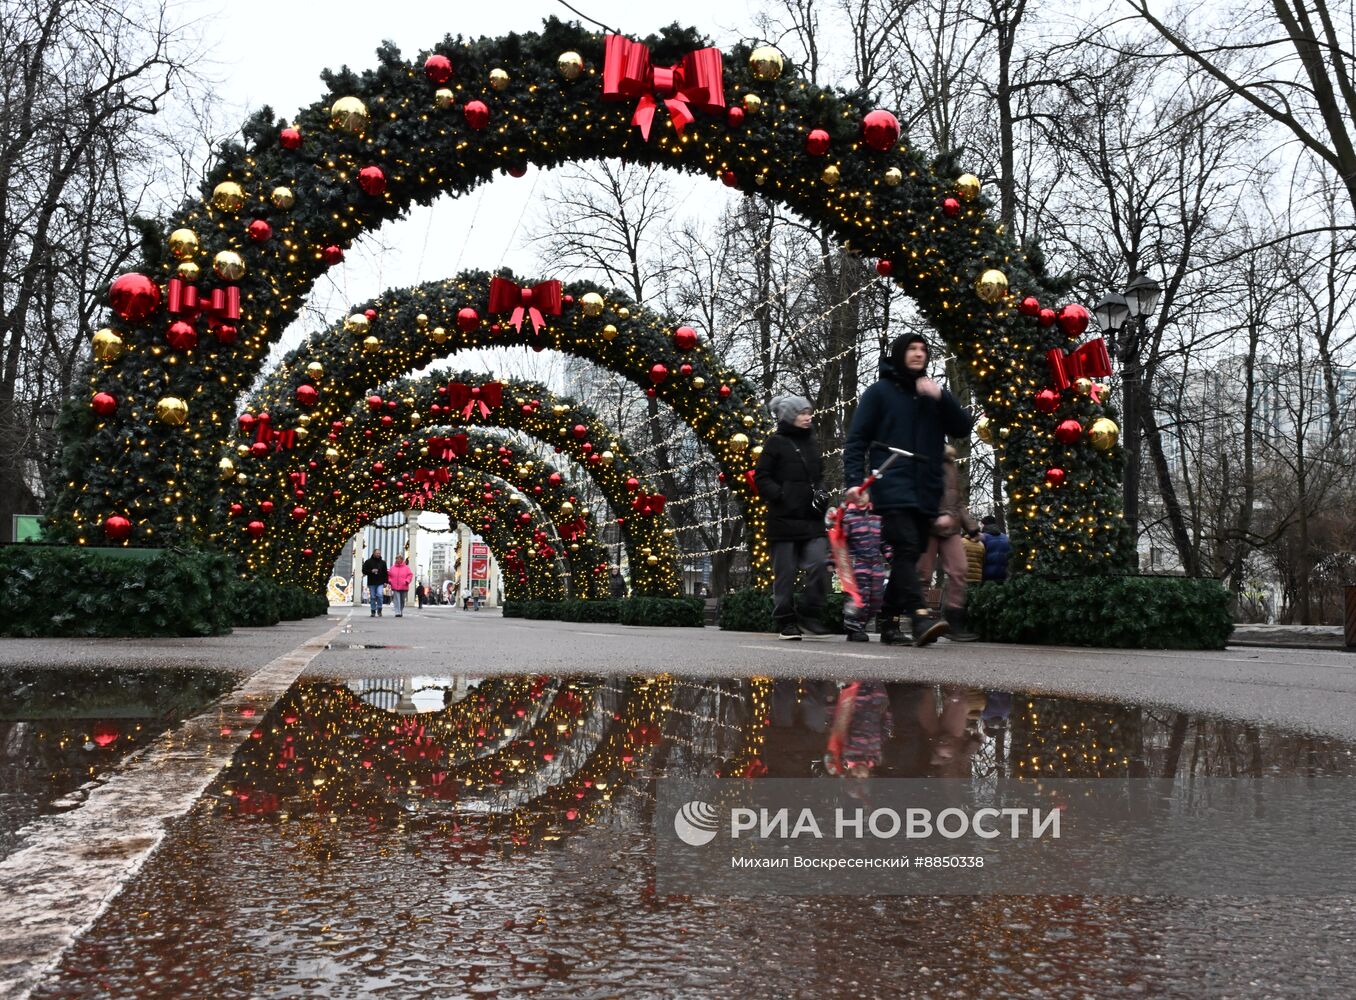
(567, 508)
(570, 65)
(415, 419)
(592, 304)
(349, 114)
(1103, 434)
(315, 371)
(242, 450)
(107, 345)
(229, 265)
(304, 419)
(499, 79)
(302, 433)
(739, 441)
(698, 382)
(228, 196)
(226, 468)
(757, 451)
(623, 313)
(171, 410)
(1083, 386)
(652, 560)
(282, 198)
(607, 457)
(765, 63)
(371, 345)
(183, 244)
(894, 177)
(443, 98)
(984, 430)
(752, 104)
(189, 271)
(438, 335)
(331, 456)
(421, 321)
(968, 187)
(748, 420)
(831, 175)
(991, 285)
(242, 480)
(609, 332)
(357, 324)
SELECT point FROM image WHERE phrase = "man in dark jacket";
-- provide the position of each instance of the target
(997, 548)
(789, 472)
(374, 575)
(904, 409)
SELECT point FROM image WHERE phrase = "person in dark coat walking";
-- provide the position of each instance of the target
(997, 549)
(788, 474)
(904, 409)
(375, 575)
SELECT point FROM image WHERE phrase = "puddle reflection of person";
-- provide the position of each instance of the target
(861, 721)
(951, 728)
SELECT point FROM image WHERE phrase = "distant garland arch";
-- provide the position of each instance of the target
(279, 211)
(392, 413)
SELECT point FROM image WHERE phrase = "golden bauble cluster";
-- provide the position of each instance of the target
(765, 63)
(229, 265)
(183, 244)
(107, 345)
(1082, 386)
(331, 455)
(349, 114)
(371, 345)
(991, 285)
(228, 196)
(171, 410)
(570, 65)
(592, 304)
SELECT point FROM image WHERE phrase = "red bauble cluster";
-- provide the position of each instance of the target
(372, 180)
(880, 130)
(438, 68)
(477, 114)
(817, 142)
(133, 296)
(685, 338)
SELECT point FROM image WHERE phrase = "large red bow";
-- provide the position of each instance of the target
(1088, 360)
(573, 529)
(696, 79)
(220, 305)
(648, 503)
(448, 448)
(278, 440)
(543, 297)
(467, 398)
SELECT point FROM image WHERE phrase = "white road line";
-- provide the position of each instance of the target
(74, 864)
(824, 652)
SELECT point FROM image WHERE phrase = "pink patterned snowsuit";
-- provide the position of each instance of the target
(862, 529)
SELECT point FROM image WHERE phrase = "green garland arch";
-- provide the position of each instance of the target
(527, 407)
(279, 210)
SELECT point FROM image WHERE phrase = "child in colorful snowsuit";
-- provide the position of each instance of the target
(861, 723)
(862, 529)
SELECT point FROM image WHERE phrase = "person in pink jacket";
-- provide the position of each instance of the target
(399, 578)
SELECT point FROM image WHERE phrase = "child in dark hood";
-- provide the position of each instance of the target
(904, 409)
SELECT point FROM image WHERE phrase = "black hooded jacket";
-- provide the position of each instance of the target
(892, 412)
(788, 470)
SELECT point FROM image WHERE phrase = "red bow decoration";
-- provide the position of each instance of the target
(222, 305)
(448, 448)
(1088, 360)
(573, 529)
(439, 476)
(543, 297)
(467, 398)
(696, 79)
(265, 434)
(298, 479)
(648, 503)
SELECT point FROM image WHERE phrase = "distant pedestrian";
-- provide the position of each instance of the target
(789, 478)
(400, 576)
(997, 550)
(419, 594)
(945, 545)
(617, 584)
(376, 576)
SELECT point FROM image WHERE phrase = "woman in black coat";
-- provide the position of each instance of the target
(789, 473)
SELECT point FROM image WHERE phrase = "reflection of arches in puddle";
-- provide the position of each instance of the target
(411, 695)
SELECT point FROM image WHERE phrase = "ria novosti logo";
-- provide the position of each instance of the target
(696, 823)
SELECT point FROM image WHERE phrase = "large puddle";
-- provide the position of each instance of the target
(445, 837)
(63, 731)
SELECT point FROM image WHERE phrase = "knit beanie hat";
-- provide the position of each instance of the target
(786, 408)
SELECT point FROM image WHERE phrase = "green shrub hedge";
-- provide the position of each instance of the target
(750, 610)
(1123, 612)
(63, 591)
(683, 612)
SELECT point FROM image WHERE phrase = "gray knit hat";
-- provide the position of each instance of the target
(786, 408)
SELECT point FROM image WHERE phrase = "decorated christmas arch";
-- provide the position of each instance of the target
(191, 333)
(313, 474)
(465, 467)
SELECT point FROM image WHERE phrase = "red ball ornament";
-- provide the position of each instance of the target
(290, 138)
(467, 319)
(104, 404)
(237, 509)
(378, 468)
(880, 129)
(182, 336)
(117, 527)
(580, 431)
(633, 484)
(728, 178)
(255, 528)
(951, 207)
(374, 402)
(307, 395)
(650, 393)
(735, 117)
(387, 420)
(133, 296)
(246, 421)
(817, 142)
(438, 68)
(885, 268)
(554, 479)
(1047, 401)
(1068, 431)
(259, 449)
(371, 314)
(266, 507)
(1054, 477)
(259, 231)
(1073, 320)
(685, 338)
(307, 553)
(658, 373)
(298, 513)
(372, 180)
(1029, 306)
(517, 170)
(1046, 317)
(685, 370)
(225, 333)
(477, 115)
(725, 392)
(332, 254)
